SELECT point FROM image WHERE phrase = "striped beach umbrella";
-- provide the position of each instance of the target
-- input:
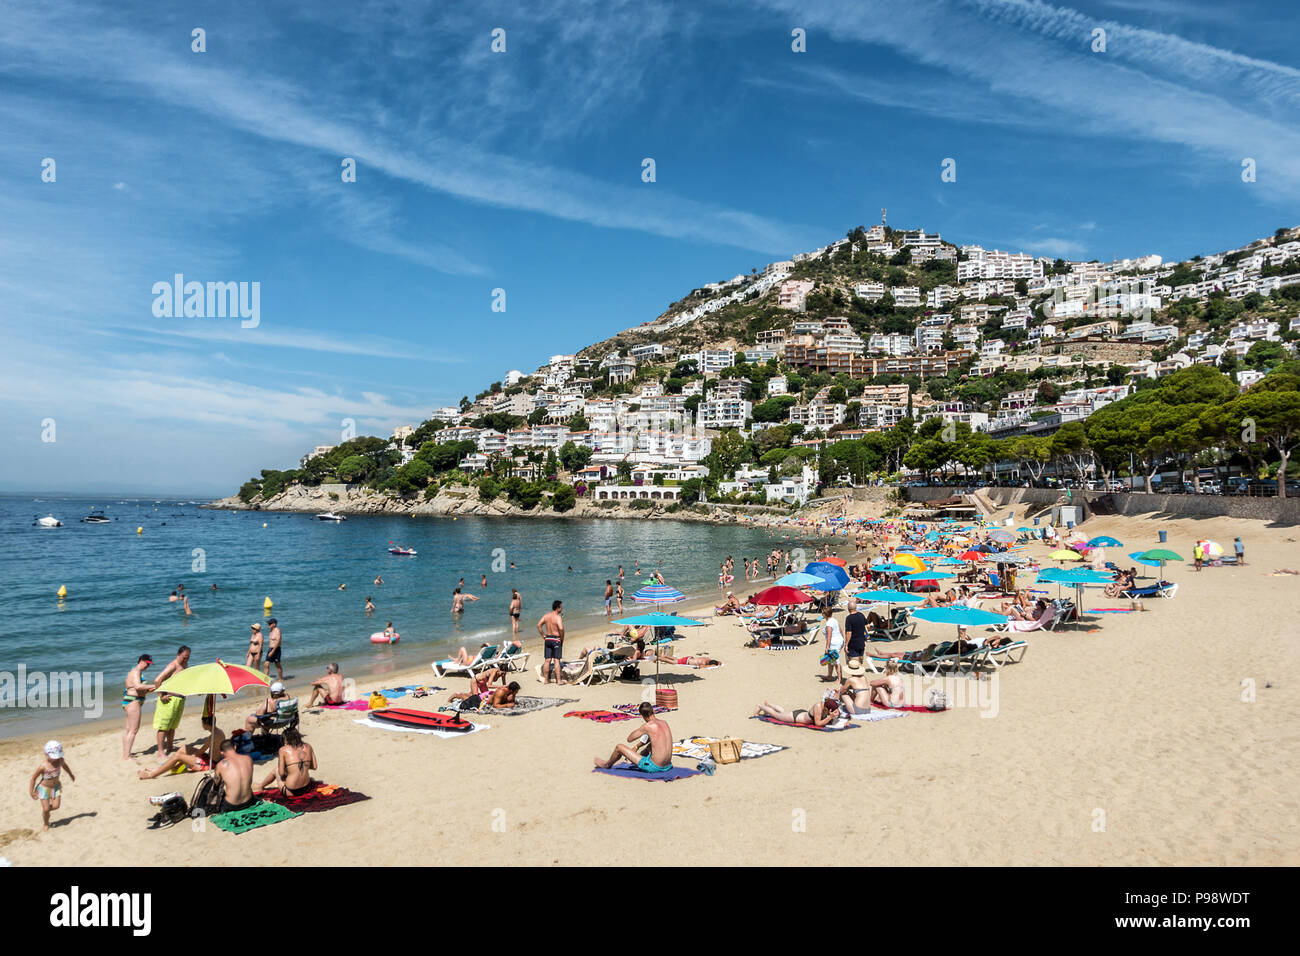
(658, 594)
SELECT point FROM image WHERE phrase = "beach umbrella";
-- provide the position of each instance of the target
(960, 616)
(911, 561)
(833, 575)
(211, 679)
(799, 579)
(658, 594)
(889, 596)
(657, 621)
(1104, 541)
(779, 594)
(1162, 555)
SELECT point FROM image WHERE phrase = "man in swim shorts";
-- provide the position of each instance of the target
(167, 716)
(273, 653)
(236, 772)
(551, 628)
(653, 750)
(329, 688)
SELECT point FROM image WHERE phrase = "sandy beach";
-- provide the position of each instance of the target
(1160, 737)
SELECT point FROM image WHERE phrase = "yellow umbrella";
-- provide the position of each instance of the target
(910, 561)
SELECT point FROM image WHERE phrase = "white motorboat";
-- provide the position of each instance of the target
(49, 521)
(330, 516)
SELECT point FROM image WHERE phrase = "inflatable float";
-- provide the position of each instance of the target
(379, 637)
(422, 719)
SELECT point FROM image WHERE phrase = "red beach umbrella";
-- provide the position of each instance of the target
(780, 594)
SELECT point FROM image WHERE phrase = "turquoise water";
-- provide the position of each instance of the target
(118, 581)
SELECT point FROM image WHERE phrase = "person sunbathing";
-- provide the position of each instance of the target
(731, 605)
(293, 767)
(825, 712)
(268, 706)
(936, 599)
(196, 756)
(481, 684)
(887, 691)
(690, 660)
(653, 752)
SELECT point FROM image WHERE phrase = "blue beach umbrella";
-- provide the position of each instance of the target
(800, 580)
(889, 596)
(960, 616)
(832, 573)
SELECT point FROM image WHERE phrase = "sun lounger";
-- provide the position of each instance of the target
(486, 657)
(1012, 653)
(513, 657)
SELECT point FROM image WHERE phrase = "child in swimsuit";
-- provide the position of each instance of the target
(50, 789)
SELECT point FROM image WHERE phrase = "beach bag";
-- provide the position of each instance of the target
(936, 700)
(208, 796)
(377, 701)
(726, 750)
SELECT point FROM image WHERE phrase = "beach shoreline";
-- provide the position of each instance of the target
(1063, 759)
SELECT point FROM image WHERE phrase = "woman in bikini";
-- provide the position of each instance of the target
(133, 702)
(824, 712)
(50, 789)
(296, 762)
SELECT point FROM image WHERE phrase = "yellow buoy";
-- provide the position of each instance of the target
(268, 604)
(63, 590)
(139, 530)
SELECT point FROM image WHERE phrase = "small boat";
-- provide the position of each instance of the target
(411, 552)
(49, 521)
(330, 516)
(95, 517)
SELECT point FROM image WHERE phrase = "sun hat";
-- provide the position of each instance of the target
(54, 750)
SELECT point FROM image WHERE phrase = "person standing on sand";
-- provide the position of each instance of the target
(253, 658)
(273, 655)
(516, 607)
(50, 789)
(167, 715)
(133, 702)
(551, 628)
(653, 752)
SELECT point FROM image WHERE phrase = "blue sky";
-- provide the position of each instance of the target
(521, 170)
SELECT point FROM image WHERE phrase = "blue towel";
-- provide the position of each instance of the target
(626, 770)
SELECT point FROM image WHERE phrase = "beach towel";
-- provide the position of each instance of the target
(634, 710)
(697, 748)
(908, 709)
(600, 716)
(789, 723)
(380, 725)
(626, 771)
(323, 797)
(523, 705)
(875, 715)
(260, 814)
